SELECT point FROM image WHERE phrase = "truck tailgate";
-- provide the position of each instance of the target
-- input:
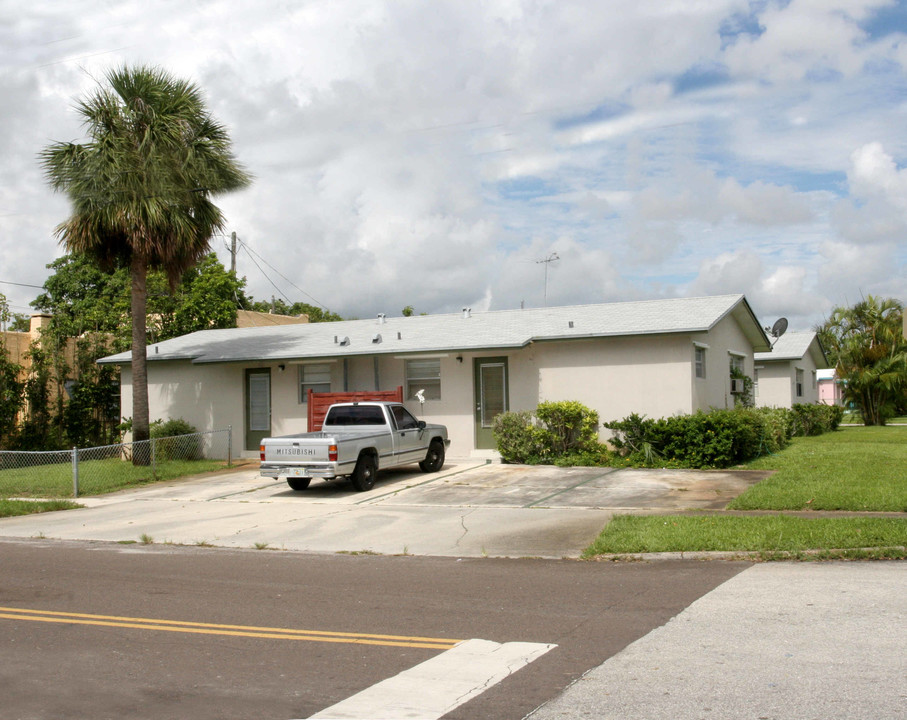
(287, 450)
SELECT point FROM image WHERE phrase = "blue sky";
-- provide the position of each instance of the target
(431, 154)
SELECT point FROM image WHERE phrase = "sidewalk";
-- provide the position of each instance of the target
(780, 641)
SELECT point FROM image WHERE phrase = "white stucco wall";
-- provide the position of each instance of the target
(210, 397)
(618, 376)
(725, 339)
(777, 382)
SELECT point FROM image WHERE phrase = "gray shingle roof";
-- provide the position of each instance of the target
(500, 329)
(793, 346)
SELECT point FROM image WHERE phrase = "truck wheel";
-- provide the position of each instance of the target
(434, 459)
(363, 476)
(299, 483)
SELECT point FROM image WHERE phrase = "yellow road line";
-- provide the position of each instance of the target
(51, 616)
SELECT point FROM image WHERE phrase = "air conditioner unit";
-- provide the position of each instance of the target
(737, 387)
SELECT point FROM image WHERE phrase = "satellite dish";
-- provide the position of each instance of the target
(779, 328)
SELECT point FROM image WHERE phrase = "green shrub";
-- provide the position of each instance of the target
(518, 438)
(572, 425)
(562, 432)
(169, 445)
(778, 429)
(809, 420)
(717, 439)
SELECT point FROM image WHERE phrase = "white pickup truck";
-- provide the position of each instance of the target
(356, 440)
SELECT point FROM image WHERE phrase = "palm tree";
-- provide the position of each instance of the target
(866, 343)
(140, 189)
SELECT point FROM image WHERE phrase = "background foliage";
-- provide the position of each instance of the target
(64, 404)
(866, 344)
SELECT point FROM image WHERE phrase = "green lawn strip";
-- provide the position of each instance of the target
(96, 477)
(855, 417)
(11, 508)
(772, 533)
(857, 468)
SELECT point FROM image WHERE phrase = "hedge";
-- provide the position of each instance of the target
(719, 438)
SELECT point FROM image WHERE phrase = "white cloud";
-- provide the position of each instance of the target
(874, 174)
(429, 154)
(805, 37)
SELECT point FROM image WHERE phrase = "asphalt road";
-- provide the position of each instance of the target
(125, 663)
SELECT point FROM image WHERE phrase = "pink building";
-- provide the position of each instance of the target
(830, 389)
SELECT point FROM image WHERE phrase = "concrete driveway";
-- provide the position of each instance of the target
(469, 509)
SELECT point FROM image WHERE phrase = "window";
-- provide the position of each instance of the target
(355, 415)
(815, 383)
(316, 378)
(699, 361)
(755, 382)
(423, 374)
(404, 420)
(799, 374)
(736, 364)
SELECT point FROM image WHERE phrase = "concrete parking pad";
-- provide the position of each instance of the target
(469, 509)
(605, 488)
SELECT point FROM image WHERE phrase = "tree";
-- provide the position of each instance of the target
(82, 298)
(315, 314)
(208, 297)
(866, 344)
(10, 386)
(19, 322)
(140, 190)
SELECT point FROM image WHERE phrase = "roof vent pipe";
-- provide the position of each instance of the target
(382, 318)
(467, 311)
(570, 323)
(335, 339)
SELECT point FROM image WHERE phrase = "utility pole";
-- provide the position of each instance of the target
(233, 252)
(547, 261)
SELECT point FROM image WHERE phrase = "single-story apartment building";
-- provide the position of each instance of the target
(656, 358)
(788, 374)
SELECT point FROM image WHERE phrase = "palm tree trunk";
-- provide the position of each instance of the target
(141, 454)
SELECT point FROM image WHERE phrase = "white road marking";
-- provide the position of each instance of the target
(435, 687)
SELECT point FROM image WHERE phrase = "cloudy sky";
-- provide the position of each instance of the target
(434, 153)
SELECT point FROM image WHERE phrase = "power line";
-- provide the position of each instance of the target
(251, 251)
(8, 282)
(280, 292)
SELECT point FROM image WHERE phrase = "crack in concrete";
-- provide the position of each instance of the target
(465, 529)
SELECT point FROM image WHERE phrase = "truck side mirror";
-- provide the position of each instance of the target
(421, 424)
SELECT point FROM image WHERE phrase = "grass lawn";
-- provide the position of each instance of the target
(856, 417)
(775, 534)
(11, 508)
(96, 477)
(856, 468)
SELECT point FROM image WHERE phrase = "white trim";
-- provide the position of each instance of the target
(702, 345)
(421, 356)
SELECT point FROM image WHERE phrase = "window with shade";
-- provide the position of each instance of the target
(699, 361)
(423, 374)
(316, 378)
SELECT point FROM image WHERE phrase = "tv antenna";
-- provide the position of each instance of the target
(547, 261)
(778, 329)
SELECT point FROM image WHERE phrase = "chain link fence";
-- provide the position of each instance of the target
(98, 470)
